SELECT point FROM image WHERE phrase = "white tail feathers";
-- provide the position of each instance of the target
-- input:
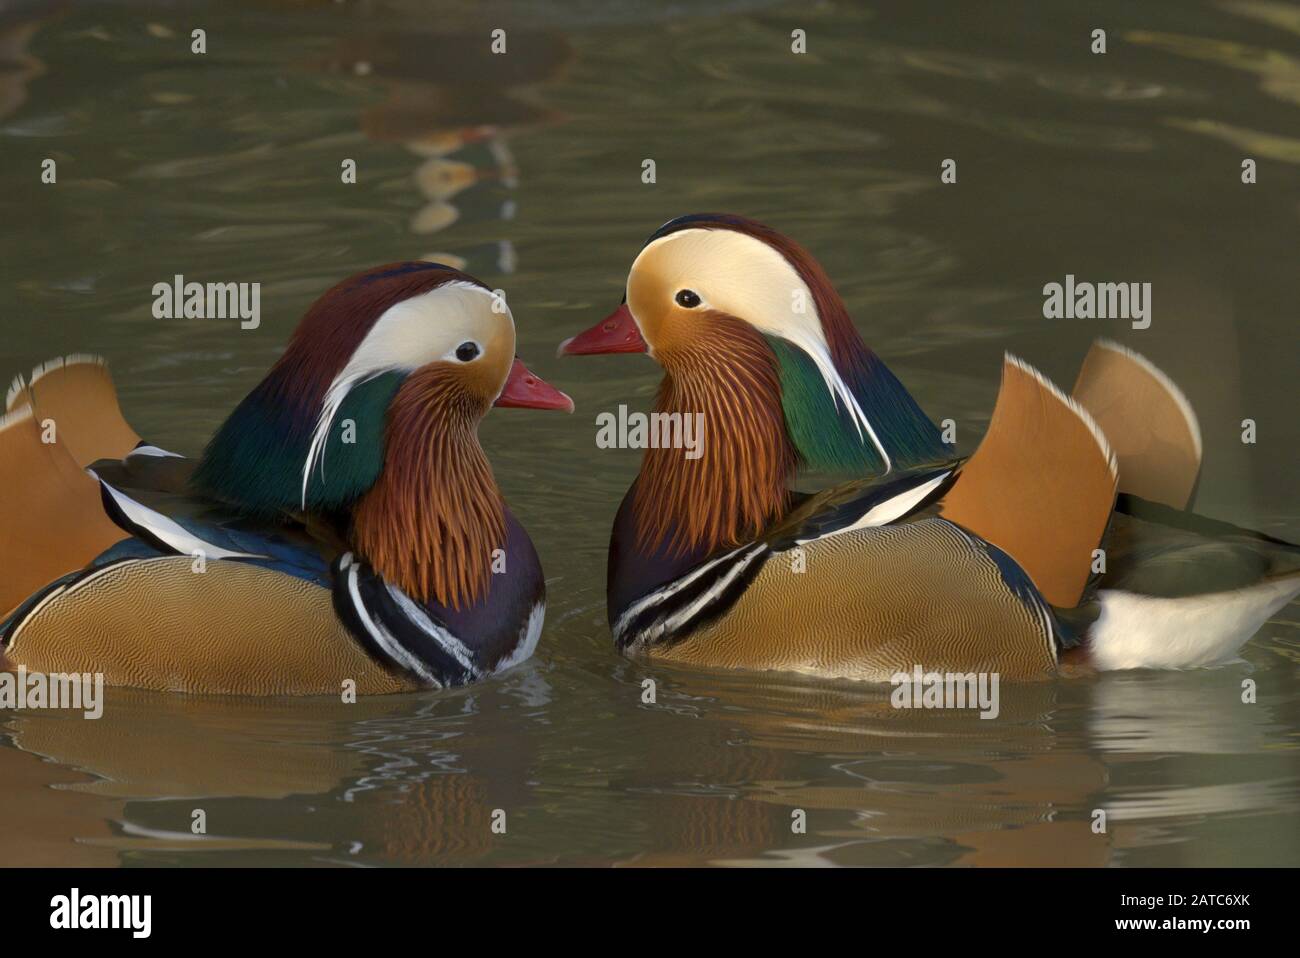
(1144, 632)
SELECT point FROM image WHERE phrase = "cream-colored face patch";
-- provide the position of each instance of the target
(731, 272)
(737, 274)
(430, 327)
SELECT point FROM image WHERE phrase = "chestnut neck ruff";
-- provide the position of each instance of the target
(738, 485)
(431, 522)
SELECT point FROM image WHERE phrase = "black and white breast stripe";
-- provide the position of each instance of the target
(396, 631)
(670, 613)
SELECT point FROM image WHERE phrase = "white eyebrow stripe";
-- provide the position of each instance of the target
(399, 341)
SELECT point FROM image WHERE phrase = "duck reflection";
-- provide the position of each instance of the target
(457, 105)
(396, 779)
(19, 24)
(712, 774)
(874, 781)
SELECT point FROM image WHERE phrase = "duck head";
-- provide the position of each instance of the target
(750, 330)
(369, 420)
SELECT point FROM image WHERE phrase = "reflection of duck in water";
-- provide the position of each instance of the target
(192, 751)
(446, 92)
(83, 813)
(18, 25)
(863, 773)
(886, 786)
(396, 780)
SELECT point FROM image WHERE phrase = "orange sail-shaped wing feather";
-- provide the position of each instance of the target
(1041, 486)
(1147, 421)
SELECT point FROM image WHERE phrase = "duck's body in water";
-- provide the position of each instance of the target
(1065, 538)
(343, 525)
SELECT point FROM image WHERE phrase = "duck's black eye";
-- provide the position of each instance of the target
(687, 298)
(466, 351)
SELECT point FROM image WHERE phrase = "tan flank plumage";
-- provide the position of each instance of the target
(248, 631)
(873, 602)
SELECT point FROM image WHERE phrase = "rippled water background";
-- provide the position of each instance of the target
(1122, 167)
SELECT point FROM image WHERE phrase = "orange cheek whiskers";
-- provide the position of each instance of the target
(430, 523)
(738, 485)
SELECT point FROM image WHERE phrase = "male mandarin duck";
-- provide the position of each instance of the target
(342, 524)
(983, 564)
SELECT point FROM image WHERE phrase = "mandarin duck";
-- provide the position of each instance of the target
(342, 524)
(1063, 541)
